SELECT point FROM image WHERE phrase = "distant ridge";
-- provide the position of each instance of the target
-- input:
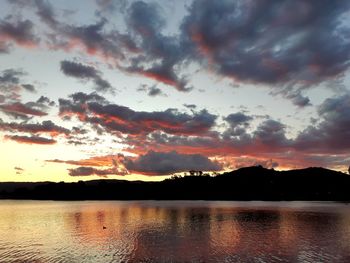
(248, 183)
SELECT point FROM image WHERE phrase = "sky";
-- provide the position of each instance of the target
(142, 90)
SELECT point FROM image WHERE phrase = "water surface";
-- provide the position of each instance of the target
(161, 231)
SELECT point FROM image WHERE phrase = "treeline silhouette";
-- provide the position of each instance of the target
(250, 183)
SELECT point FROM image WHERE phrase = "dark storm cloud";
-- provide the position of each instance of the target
(80, 71)
(264, 42)
(116, 118)
(30, 139)
(163, 163)
(47, 127)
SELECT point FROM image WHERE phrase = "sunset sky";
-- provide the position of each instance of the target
(146, 89)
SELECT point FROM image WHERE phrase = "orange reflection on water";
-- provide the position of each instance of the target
(172, 231)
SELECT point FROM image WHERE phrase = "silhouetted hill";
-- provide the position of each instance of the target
(249, 183)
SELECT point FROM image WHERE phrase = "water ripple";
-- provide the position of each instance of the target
(57, 232)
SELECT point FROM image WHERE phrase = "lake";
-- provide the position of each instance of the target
(173, 231)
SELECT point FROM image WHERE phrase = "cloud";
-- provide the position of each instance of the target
(88, 171)
(332, 133)
(29, 87)
(160, 54)
(92, 39)
(325, 143)
(11, 88)
(263, 42)
(110, 6)
(238, 123)
(30, 139)
(4, 48)
(190, 106)
(116, 118)
(20, 109)
(80, 71)
(11, 76)
(268, 138)
(43, 100)
(151, 163)
(164, 163)
(18, 170)
(152, 91)
(113, 162)
(97, 161)
(171, 130)
(46, 13)
(157, 57)
(271, 134)
(239, 118)
(125, 120)
(19, 32)
(11, 85)
(46, 127)
(289, 53)
(81, 97)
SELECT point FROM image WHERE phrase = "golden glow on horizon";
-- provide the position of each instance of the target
(32, 159)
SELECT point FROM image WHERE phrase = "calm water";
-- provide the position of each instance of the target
(152, 231)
